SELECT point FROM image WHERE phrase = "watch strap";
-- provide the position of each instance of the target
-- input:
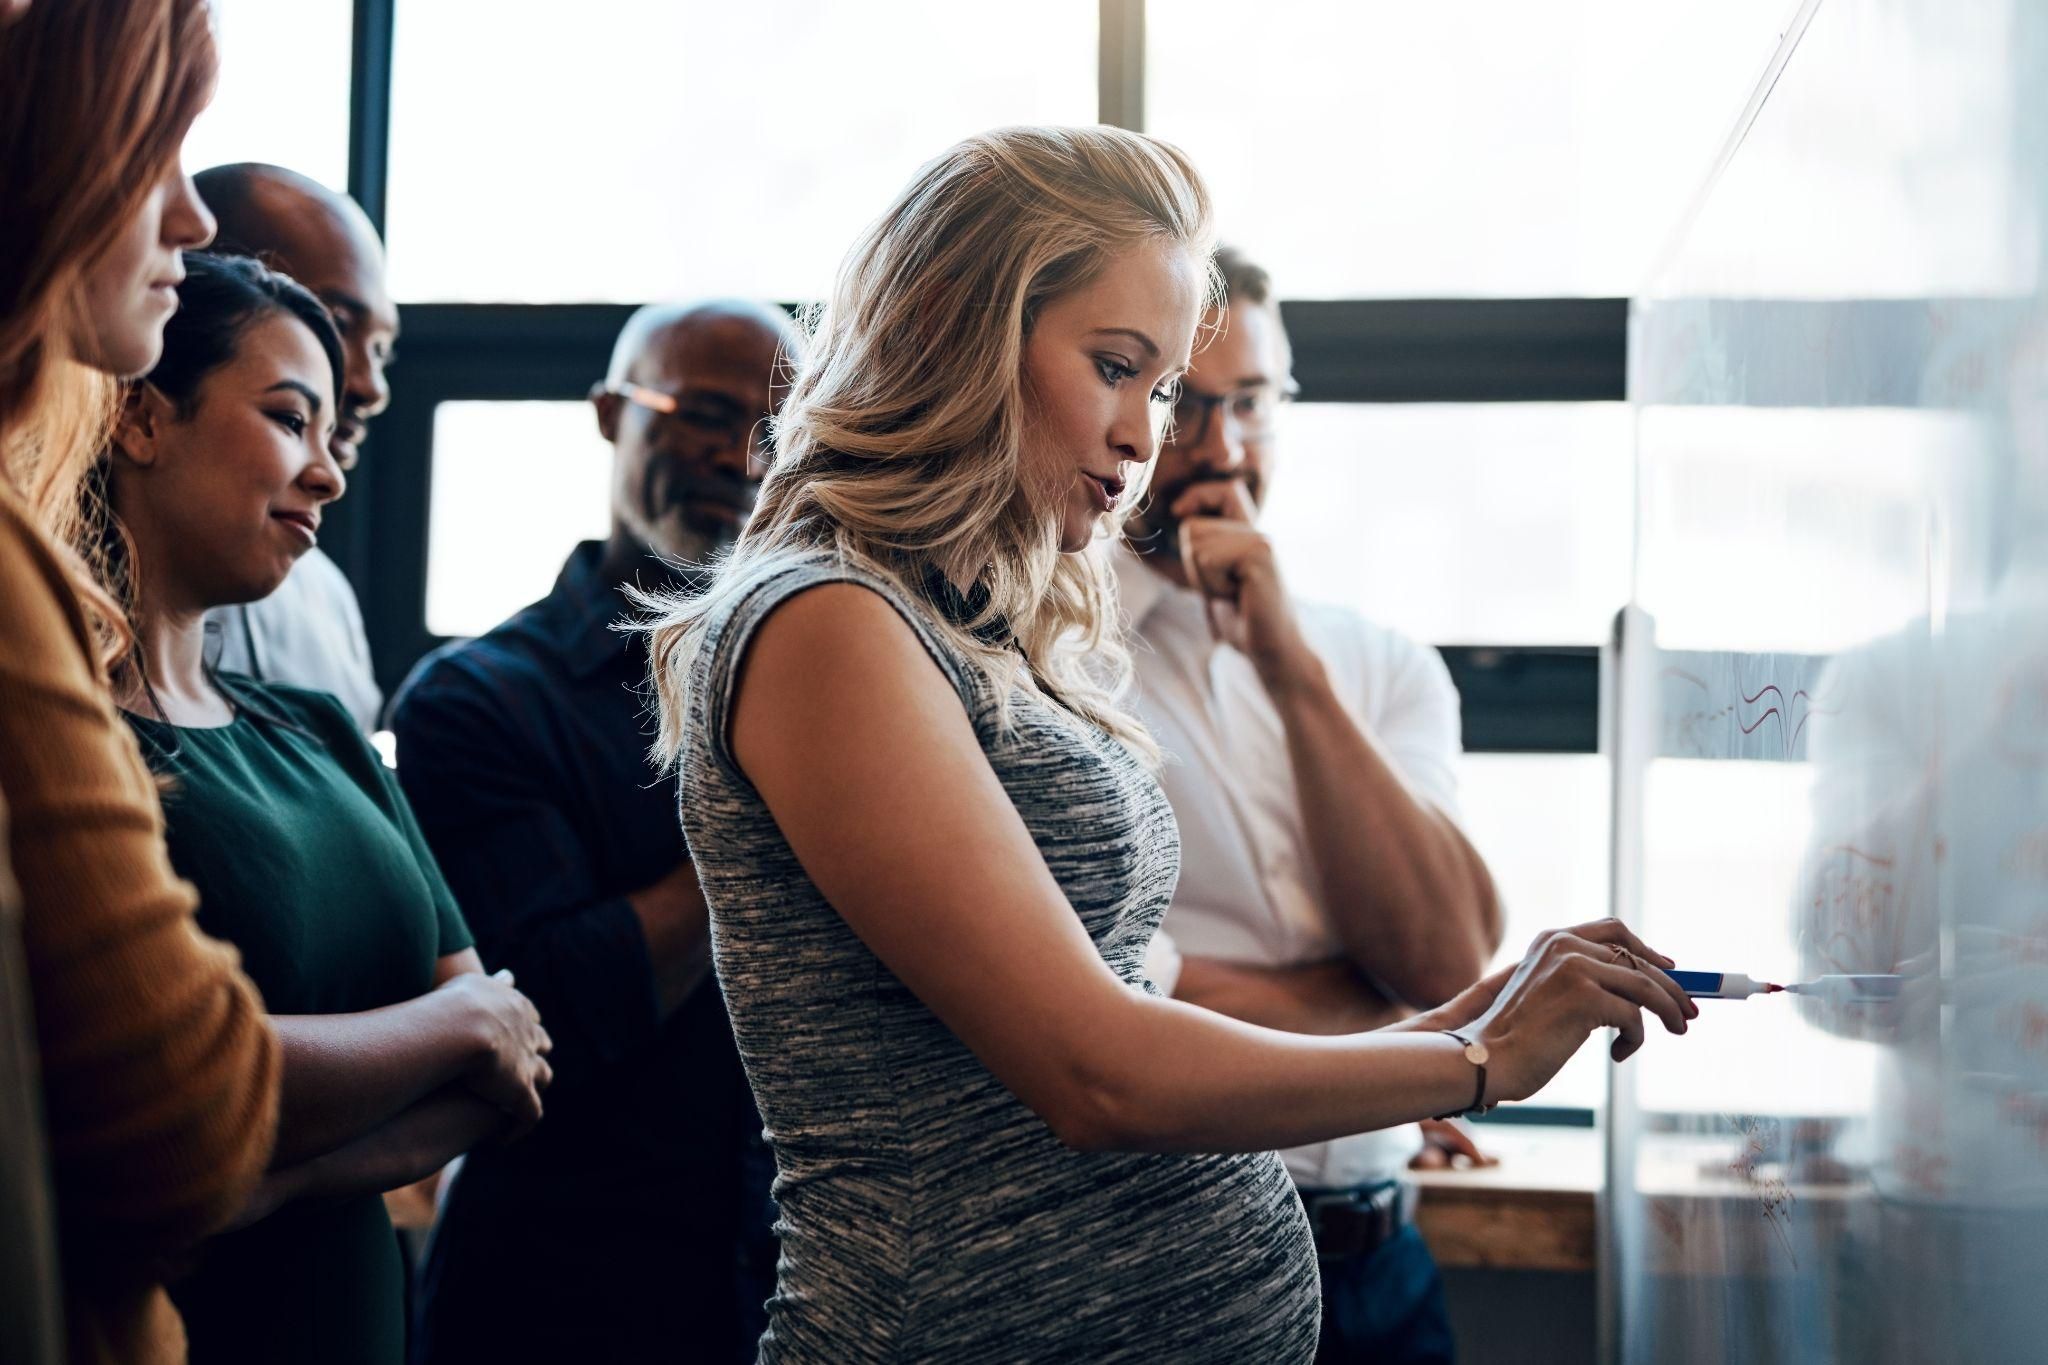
(1479, 1105)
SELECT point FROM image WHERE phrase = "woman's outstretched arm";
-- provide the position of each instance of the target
(862, 752)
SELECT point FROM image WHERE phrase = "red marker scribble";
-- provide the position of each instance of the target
(1854, 911)
(1675, 672)
(1851, 851)
(1774, 1196)
(1813, 709)
(2022, 707)
(2027, 859)
(2026, 1112)
(1923, 1170)
(2027, 947)
(2029, 1025)
(1782, 709)
(1752, 728)
(1694, 725)
(1668, 1222)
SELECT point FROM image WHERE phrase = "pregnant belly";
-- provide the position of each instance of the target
(1071, 1256)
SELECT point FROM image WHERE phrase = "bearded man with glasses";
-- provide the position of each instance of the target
(1325, 884)
(635, 1223)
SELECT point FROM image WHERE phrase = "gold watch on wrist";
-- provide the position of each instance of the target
(1475, 1053)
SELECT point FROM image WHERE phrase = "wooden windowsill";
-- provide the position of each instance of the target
(1534, 1211)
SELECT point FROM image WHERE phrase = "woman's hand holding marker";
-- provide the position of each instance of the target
(1533, 1015)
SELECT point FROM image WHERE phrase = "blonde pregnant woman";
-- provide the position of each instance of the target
(933, 847)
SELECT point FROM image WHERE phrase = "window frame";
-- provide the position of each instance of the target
(1516, 698)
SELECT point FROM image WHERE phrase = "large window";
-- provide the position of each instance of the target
(516, 486)
(283, 95)
(1541, 823)
(1475, 523)
(1490, 147)
(653, 149)
(1457, 467)
(1457, 524)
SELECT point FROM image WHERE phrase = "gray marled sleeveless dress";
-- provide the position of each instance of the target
(927, 1214)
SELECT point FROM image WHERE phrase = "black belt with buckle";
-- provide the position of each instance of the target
(1357, 1221)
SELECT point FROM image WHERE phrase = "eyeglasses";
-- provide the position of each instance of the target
(1255, 412)
(707, 425)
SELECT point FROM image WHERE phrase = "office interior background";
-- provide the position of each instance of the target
(1463, 206)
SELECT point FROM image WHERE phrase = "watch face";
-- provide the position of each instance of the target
(1476, 1053)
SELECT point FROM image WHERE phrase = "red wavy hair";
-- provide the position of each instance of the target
(95, 99)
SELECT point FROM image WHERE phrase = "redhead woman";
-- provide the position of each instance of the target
(933, 847)
(159, 1074)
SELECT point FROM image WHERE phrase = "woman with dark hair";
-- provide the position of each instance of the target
(158, 1072)
(399, 1052)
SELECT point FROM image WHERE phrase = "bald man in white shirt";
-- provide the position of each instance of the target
(310, 631)
(1325, 884)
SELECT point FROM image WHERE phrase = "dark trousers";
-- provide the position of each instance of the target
(1385, 1307)
(681, 1282)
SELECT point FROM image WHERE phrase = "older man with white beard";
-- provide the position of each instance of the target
(633, 1224)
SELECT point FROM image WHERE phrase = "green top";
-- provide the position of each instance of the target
(308, 860)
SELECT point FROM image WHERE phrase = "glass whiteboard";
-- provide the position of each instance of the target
(1830, 713)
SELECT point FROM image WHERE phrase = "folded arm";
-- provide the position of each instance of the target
(410, 1147)
(346, 1074)
(1407, 893)
(1317, 997)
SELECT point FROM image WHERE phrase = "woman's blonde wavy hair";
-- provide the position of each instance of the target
(898, 448)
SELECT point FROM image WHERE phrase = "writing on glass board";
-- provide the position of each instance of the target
(1773, 1195)
(1855, 896)
(1753, 706)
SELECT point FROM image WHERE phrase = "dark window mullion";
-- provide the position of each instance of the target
(1527, 699)
(1459, 350)
(1120, 64)
(369, 113)
(1517, 699)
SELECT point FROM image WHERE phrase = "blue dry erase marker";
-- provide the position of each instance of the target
(1720, 985)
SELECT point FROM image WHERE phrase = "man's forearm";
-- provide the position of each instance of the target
(1323, 998)
(1408, 895)
(676, 924)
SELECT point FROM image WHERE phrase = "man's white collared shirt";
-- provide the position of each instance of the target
(1247, 890)
(309, 633)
